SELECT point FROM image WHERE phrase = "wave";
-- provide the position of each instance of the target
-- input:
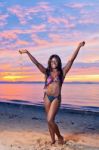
(64, 107)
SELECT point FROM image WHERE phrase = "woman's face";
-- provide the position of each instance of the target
(54, 63)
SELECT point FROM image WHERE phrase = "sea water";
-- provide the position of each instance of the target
(82, 96)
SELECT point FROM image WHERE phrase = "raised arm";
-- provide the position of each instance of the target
(67, 67)
(40, 66)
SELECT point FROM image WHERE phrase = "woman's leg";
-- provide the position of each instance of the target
(47, 104)
(51, 117)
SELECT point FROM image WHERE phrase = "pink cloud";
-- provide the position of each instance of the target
(78, 5)
(38, 41)
(1, 4)
(46, 44)
(19, 12)
(42, 6)
(39, 28)
(57, 20)
(5, 66)
(86, 21)
(8, 34)
(3, 24)
(25, 14)
(55, 37)
(61, 20)
(93, 40)
(84, 71)
(19, 31)
(22, 42)
(17, 69)
(88, 17)
(13, 34)
(33, 75)
(3, 19)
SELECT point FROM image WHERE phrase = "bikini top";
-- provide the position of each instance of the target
(50, 79)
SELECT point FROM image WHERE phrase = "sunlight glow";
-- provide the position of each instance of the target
(13, 77)
(85, 78)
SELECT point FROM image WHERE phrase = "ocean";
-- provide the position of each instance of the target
(74, 96)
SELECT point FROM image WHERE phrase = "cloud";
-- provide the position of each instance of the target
(25, 14)
(45, 28)
(86, 21)
(92, 42)
(38, 28)
(27, 73)
(3, 19)
(90, 14)
(86, 18)
(60, 20)
(87, 12)
(22, 42)
(79, 5)
(10, 39)
(55, 37)
(83, 78)
(4, 67)
(19, 12)
(1, 4)
(10, 34)
(86, 64)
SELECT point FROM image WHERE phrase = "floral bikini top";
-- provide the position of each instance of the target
(50, 79)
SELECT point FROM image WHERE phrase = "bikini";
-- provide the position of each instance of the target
(49, 81)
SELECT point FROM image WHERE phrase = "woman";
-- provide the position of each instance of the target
(54, 75)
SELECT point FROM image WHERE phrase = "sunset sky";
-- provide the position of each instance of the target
(45, 28)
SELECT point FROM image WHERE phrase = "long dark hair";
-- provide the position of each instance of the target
(59, 67)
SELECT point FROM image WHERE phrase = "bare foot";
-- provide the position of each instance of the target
(53, 142)
(61, 140)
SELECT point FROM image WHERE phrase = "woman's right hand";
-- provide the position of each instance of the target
(23, 51)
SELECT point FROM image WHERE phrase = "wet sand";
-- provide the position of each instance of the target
(24, 127)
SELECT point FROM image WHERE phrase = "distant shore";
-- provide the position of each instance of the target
(41, 82)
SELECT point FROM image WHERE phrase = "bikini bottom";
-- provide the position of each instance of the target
(51, 97)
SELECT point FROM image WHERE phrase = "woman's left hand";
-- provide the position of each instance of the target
(82, 44)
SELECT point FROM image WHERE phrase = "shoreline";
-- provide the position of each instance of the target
(25, 127)
(91, 110)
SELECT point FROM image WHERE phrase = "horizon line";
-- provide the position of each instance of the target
(79, 82)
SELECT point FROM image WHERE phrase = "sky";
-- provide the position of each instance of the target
(45, 28)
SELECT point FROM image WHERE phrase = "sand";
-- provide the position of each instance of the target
(24, 128)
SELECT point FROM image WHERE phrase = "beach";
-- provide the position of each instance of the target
(24, 127)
